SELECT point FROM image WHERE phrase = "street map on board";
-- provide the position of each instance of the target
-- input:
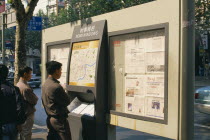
(83, 63)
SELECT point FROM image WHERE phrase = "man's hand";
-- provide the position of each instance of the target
(19, 128)
(64, 86)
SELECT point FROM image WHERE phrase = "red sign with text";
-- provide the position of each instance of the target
(2, 6)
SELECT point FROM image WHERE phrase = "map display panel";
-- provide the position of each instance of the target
(83, 63)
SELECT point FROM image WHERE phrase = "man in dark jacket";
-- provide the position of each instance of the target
(55, 101)
(11, 106)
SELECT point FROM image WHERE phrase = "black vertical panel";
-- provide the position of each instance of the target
(91, 127)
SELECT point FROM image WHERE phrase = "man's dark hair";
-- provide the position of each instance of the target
(52, 66)
(3, 72)
(23, 70)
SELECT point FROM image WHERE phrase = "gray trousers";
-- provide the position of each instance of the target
(26, 133)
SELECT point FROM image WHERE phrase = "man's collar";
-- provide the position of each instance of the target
(23, 81)
(51, 78)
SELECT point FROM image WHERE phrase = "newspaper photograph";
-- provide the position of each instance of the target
(155, 62)
(135, 105)
(154, 107)
(129, 102)
(134, 85)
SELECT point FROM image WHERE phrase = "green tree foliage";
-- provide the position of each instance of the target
(81, 9)
(88, 8)
(33, 40)
(10, 36)
(202, 15)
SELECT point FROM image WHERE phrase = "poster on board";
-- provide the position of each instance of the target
(154, 107)
(83, 63)
(139, 92)
(134, 56)
(60, 53)
(154, 85)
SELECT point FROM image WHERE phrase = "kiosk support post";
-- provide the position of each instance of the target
(186, 122)
(111, 132)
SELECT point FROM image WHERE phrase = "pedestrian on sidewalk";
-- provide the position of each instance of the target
(55, 101)
(11, 107)
(206, 72)
(25, 74)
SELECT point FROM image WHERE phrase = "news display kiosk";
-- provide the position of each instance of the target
(87, 81)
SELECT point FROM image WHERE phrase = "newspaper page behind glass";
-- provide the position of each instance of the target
(144, 79)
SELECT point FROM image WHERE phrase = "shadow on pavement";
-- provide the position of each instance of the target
(143, 138)
(128, 134)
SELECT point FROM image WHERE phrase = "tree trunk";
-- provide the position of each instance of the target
(23, 15)
(20, 49)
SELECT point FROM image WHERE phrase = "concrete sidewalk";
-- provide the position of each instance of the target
(39, 136)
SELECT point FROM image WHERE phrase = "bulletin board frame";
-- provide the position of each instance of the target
(55, 44)
(165, 27)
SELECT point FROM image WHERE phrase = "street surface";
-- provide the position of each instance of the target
(202, 126)
(40, 115)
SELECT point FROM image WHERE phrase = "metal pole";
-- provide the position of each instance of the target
(3, 36)
(47, 8)
(187, 74)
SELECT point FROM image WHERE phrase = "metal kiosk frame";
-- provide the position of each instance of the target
(83, 126)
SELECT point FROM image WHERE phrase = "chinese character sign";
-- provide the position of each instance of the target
(35, 24)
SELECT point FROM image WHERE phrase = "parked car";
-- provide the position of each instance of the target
(10, 77)
(202, 100)
(35, 80)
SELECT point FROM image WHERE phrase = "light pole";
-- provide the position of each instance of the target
(4, 24)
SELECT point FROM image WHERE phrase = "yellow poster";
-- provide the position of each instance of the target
(83, 63)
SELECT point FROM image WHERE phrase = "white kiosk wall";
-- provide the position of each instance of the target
(176, 14)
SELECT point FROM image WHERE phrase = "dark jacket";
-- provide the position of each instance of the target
(29, 96)
(54, 98)
(11, 104)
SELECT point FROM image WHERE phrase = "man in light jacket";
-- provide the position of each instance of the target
(30, 98)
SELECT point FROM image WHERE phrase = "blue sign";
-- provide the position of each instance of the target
(35, 24)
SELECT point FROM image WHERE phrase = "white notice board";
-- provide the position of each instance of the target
(60, 53)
